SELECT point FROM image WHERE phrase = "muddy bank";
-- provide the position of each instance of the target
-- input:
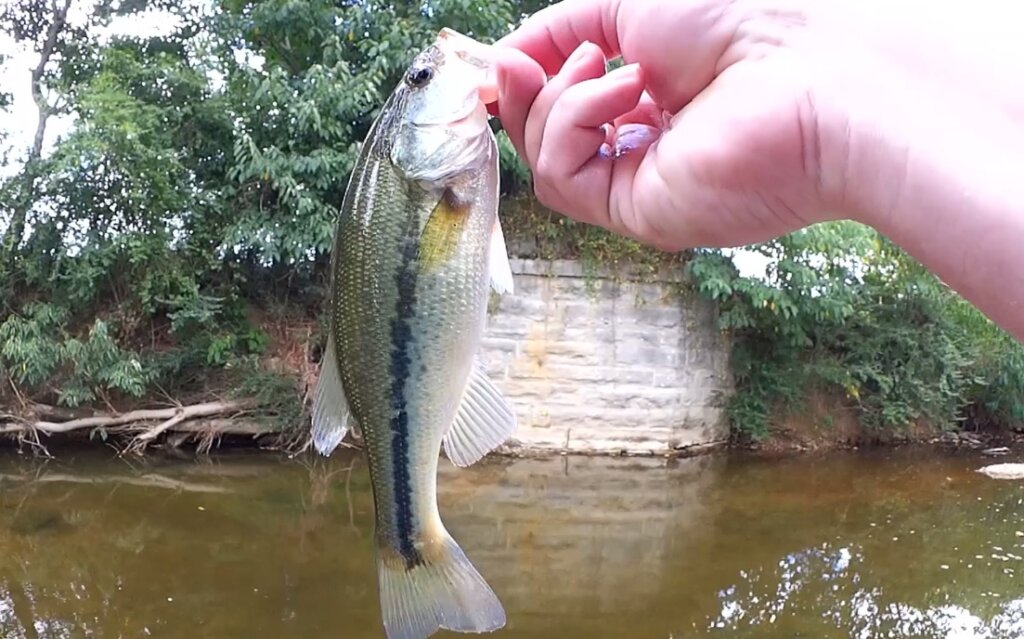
(827, 423)
(824, 424)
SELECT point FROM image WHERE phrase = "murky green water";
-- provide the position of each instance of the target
(869, 545)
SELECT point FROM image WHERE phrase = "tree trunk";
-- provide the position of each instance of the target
(26, 193)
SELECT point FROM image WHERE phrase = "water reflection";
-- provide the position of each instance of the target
(827, 583)
(858, 546)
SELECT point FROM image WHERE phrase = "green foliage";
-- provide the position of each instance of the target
(197, 188)
(193, 202)
(326, 69)
(532, 230)
(997, 389)
(37, 351)
(842, 309)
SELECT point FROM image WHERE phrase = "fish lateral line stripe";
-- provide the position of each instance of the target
(401, 341)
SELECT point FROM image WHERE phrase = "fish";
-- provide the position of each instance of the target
(418, 249)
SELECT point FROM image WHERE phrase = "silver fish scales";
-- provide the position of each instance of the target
(418, 247)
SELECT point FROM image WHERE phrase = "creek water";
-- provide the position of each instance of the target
(868, 544)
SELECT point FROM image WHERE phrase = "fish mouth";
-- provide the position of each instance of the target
(476, 118)
(466, 48)
(473, 120)
(477, 55)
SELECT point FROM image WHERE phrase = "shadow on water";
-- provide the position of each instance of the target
(886, 544)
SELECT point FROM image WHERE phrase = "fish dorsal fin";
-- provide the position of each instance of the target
(331, 414)
(483, 422)
(499, 267)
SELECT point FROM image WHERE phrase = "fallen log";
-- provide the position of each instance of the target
(208, 420)
(179, 413)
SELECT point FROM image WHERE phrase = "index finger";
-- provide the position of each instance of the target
(681, 44)
(552, 34)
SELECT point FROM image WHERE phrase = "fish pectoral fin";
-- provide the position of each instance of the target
(483, 422)
(443, 231)
(499, 267)
(331, 415)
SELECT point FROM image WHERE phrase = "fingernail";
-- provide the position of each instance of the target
(633, 137)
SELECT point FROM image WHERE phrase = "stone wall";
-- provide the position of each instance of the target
(605, 364)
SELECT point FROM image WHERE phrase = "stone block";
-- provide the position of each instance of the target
(596, 364)
(503, 345)
(637, 353)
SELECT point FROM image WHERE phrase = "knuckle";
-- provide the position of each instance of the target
(546, 194)
(542, 191)
(545, 167)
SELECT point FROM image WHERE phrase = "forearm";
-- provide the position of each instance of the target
(952, 195)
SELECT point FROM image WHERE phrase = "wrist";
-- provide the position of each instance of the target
(945, 184)
(942, 166)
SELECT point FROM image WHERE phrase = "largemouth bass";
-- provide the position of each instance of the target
(418, 246)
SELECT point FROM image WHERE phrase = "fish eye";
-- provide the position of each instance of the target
(419, 76)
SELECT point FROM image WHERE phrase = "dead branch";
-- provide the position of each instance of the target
(140, 441)
(194, 411)
(204, 423)
(169, 418)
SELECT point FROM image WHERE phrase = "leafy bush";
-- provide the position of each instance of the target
(842, 309)
(38, 352)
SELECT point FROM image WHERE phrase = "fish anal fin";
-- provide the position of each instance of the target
(483, 422)
(332, 417)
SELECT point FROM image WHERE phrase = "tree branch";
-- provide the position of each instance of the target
(106, 421)
(60, 15)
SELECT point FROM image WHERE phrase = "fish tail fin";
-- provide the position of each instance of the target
(441, 590)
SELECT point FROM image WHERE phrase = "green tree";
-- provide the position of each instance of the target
(324, 69)
(198, 186)
(113, 272)
(844, 310)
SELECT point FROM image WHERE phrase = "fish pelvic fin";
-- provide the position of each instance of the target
(498, 266)
(440, 590)
(483, 421)
(331, 415)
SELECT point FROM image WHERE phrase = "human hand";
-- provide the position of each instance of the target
(764, 116)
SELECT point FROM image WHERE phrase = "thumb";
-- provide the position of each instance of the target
(739, 164)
